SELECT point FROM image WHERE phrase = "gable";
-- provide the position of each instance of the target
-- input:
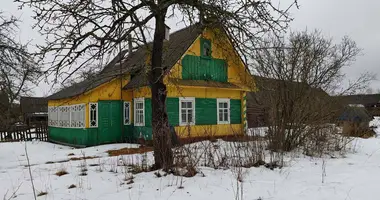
(222, 51)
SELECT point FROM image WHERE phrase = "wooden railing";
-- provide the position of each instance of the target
(24, 133)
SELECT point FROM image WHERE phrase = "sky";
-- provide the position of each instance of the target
(335, 18)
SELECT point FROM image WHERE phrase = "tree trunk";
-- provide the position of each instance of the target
(163, 155)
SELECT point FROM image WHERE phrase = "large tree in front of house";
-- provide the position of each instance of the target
(17, 70)
(82, 31)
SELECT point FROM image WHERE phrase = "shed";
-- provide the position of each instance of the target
(355, 120)
(34, 109)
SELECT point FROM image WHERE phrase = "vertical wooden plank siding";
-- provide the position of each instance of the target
(172, 107)
(236, 112)
(205, 111)
(204, 68)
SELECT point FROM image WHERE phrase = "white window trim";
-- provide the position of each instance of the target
(229, 110)
(138, 100)
(57, 115)
(186, 99)
(84, 116)
(127, 102)
(89, 114)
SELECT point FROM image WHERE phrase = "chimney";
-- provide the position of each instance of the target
(167, 32)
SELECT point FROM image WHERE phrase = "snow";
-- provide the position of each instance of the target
(354, 176)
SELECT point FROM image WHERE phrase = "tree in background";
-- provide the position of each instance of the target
(17, 70)
(305, 66)
(83, 31)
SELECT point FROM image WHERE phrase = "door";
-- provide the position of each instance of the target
(110, 122)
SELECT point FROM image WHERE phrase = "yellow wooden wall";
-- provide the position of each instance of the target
(106, 91)
(221, 49)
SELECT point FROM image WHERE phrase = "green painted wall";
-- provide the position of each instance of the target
(74, 136)
(128, 133)
(204, 68)
(205, 111)
(235, 113)
(148, 112)
(111, 130)
(172, 107)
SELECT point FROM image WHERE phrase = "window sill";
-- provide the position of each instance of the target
(139, 125)
(187, 124)
(221, 123)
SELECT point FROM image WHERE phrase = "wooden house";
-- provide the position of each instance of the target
(34, 110)
(206, 83)
(371, 102)
(261, 103)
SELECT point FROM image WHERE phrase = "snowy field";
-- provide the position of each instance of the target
(352, 177)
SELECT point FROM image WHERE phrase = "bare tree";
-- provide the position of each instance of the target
(82, 32)
(299, 70)
(17, 69)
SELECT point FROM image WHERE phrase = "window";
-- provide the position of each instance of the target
(206, 48)
(64, 116)
(72, 116)
(187, 111)
(93, 107)
(127, 113)
(53, 116)
(139, 112)
(78, 116)
(223, 107)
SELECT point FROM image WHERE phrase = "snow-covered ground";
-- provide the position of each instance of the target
(355, 176)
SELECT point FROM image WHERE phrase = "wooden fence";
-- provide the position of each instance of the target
(24, 133)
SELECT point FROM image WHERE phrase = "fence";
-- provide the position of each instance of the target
(24, 133)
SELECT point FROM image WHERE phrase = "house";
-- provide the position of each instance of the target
(355, 120)
(261, 103)
(206, 84)
(34, 110)
(371, 102)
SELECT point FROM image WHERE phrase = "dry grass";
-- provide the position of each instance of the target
(61, 172)
(42, 193)
(83, 158)
(129, 151)
(72, 186)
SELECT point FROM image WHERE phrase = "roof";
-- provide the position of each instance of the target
(33, 104)
(135, 63)
(269, 86)
(364, 99)
(356, 114)
(104, 76)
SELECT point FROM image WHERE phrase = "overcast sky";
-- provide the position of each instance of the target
(336, 18)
